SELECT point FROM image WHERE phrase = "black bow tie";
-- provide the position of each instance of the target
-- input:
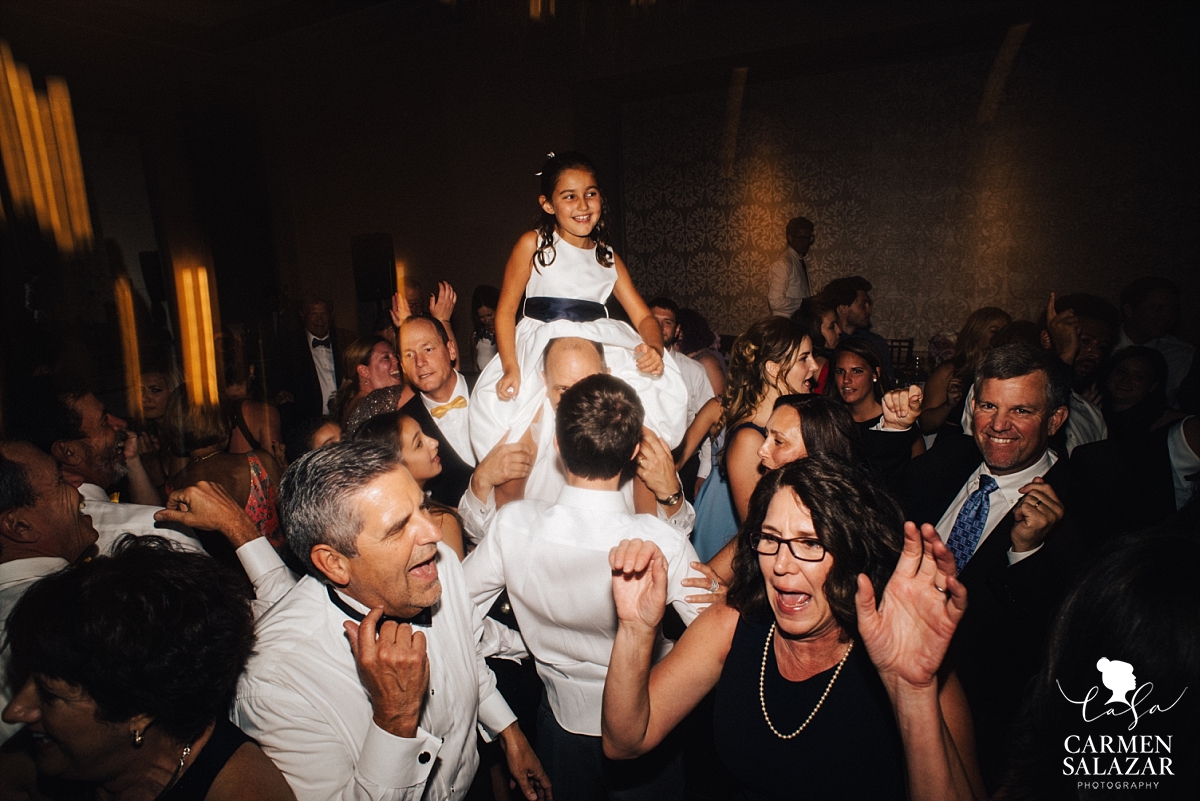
(422, 618)
(321, 343)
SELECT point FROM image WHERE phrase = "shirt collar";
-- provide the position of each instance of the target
(592, 500)
(459, 385)
(1008, 485)
(35, 567)
(93, 492)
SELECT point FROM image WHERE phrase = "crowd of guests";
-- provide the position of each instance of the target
(867, 590)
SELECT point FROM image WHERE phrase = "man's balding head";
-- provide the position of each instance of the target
(41, 515)
(567, 360)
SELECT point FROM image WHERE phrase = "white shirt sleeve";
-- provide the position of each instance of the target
(267, 572)
(314, 758)
(476, 515)
(777, 286)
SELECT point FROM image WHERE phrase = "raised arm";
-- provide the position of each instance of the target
(642, 706)
(742, 464)
(907, 637)
(700, 428)
(516, 276)
(649, 353)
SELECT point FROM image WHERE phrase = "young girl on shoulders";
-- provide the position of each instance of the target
(566, 270)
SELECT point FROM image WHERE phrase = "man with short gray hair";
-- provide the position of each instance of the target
(367, 681)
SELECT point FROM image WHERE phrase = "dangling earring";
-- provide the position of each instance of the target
(137, 739)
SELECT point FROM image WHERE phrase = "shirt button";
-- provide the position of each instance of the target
(431, 691)
(424, 757)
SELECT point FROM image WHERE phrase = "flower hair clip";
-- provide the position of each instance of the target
(549, 156)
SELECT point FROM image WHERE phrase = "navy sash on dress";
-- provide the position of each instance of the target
(577, 311)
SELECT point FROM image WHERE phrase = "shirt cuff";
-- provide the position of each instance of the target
(390, 761)
(494, 716)
(476, 514)
(1014, 556)
(258, 557)
(879, 427)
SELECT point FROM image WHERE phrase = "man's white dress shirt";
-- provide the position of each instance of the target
(112, 520)
(554, 560)
(1184, 462)
(15, 578)
(1178, 354)
(546, 480)
(301, 698)
(1003, 499)
(787, 283)
(326, 374)
(454, 425)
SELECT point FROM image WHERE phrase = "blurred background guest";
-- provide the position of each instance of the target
(200, 433)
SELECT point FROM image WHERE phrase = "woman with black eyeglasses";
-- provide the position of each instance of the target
(820, 693)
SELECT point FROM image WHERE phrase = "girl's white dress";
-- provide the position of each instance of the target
(574, 274)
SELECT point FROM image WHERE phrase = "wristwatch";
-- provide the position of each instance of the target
(672, 499)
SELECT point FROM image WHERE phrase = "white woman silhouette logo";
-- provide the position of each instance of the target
(1118, 677)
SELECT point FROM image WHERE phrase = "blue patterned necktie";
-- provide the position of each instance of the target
(969, 525)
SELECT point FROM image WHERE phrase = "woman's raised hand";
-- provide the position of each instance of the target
(907, 636)
(639, 572)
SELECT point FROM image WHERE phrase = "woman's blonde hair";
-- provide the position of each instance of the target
(967, 348)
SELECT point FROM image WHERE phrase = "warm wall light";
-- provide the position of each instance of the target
(40, 152)
(1002, 67)
(540, 9)
(196, 330)
(123, 293)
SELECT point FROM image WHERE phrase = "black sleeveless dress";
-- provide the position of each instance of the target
(196, 782)
(850, 750)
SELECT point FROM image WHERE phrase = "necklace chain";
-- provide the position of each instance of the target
(762, 698)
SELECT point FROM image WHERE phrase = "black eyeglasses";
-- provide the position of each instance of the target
(806, 550)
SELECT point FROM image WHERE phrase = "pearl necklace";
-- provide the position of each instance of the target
(762, 700)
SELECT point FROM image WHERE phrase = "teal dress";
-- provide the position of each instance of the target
(716, 521)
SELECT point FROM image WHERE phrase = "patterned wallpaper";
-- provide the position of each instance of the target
(1060, 191)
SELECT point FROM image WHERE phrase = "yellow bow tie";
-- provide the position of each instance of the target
(441, 411)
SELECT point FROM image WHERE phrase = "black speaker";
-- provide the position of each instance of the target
(374, 266)
(152, 275)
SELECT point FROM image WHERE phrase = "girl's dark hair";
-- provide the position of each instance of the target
(1135, 603)
(858, 522)
(552, 170)
(383, 429)
(299, 440)
(865, 351)
(826, 426)
(148, 630)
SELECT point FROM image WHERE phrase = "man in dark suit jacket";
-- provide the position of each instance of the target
(1017, 570)
(309, 368)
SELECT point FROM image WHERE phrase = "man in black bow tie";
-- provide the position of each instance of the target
(368, 678)
(309, 369)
